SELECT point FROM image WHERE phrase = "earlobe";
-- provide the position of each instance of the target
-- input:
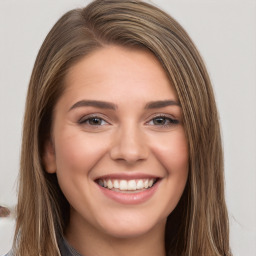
(49, 159)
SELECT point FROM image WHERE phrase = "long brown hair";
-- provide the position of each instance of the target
(199, 224)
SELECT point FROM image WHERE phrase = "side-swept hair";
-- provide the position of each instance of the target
(199, 224)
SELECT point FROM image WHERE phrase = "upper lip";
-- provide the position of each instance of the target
(127, 176)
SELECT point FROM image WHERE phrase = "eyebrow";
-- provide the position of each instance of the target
(94, 103)
(161, 104)
(108, 105)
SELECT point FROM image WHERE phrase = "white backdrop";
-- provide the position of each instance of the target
(225, 33)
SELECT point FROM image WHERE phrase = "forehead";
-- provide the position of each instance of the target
(115, 71)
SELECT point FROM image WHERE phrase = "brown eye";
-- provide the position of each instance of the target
(159, 121)
(93, 121)
(162, 121)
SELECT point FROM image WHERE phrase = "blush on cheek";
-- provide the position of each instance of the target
(78, 153)
(174, 157)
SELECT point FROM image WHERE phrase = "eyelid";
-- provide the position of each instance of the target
(161, 115)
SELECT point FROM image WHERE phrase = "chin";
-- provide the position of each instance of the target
(131, 226)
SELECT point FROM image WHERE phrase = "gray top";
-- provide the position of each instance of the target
(66, 249)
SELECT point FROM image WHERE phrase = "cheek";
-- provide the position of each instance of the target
(172, 151)
(77, 153)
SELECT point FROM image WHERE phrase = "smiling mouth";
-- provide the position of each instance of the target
(127, 186)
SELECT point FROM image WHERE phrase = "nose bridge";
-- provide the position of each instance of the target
(129, 144)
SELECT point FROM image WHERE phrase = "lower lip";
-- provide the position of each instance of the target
(130, 198)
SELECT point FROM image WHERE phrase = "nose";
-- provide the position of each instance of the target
(129, 145)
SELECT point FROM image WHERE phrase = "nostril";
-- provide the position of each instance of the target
(129, 151)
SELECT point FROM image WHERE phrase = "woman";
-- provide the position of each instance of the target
(121, 150)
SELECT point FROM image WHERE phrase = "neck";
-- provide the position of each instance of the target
(89, 241)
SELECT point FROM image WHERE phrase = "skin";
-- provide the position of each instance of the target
(130, 139)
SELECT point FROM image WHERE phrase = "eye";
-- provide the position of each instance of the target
(163, 121)
(93, 121)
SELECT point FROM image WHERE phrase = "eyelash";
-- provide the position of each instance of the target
(85, 120)
(170, 121)
(166, 118)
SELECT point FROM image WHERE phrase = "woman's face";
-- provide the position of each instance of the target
(118, 144)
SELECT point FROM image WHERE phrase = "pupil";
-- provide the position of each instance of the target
(95, 121)
(159, 120)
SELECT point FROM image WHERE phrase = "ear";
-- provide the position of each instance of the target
(49, 159)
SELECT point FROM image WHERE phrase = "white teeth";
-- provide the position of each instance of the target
(131, 185)
(140, 184)
(109, 183)
(127, 185)
(116, 184)
(123, 185)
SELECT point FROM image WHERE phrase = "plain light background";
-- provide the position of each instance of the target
(225, 34)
